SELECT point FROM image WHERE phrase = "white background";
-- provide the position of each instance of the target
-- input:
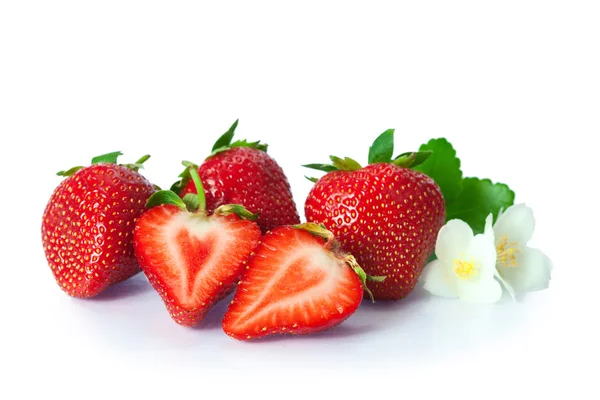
(514, 85)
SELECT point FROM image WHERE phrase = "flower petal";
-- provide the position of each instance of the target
(485, 291)
(532, 272)
(453, 239)
(439, 280)
(489, 228)
(505, 284)
(517, 223)
(482, 249)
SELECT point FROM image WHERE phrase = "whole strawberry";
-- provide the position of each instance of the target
(385, 214)
(87, 226)
(243, 173)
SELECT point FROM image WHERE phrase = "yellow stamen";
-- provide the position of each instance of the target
(465, 269)
(507, 252)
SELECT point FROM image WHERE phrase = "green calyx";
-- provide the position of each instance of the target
(196, 202)
(321, 231)
(224, 142)
(381, 151)
(193, 202)
(237, 209)
(109, 158)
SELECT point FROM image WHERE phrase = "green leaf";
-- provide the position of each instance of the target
(382, 149)
(254, 145)
(362, 275)
(345, 164)
(237, 209)
(192, 201)
(412, 159)
(316, 229)
(321, 167)
(313, 180)
(139, 164)
(165, 197)
(443, 166)
(69, 172)
(178, 186)
(225, 139)
(107, 158)
(479, 198)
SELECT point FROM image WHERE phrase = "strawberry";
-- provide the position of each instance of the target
(87, 226)
(192, 259)
(385, 214)
(243, 173)
(297, 282)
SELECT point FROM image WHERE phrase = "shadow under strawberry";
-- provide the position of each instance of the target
(133, 287)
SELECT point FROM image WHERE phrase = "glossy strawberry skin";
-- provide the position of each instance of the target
(252, 178)
(87, 228)
(174, 246)
(386, 216)
(284, 292)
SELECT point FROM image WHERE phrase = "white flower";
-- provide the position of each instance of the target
(465, 265)
(520, 267)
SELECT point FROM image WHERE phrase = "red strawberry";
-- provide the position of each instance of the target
(385, 214)
(295, 283)
(87, 226)
(191, 259)
(243, 173)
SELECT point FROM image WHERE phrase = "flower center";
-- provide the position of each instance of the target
(507, 252)
(465, 269)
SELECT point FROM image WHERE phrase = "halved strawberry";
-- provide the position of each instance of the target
(297, 282)
(193, 260)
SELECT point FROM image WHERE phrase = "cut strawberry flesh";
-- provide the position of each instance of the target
(292, 285)
(192, 260)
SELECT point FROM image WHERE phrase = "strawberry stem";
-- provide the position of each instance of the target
(201, 202)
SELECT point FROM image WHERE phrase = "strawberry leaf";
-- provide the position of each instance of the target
(443, 166)
(237, 209)
(244, 143)
(321, 167)
(411, 160)
(69, 172)
(225, 139)
(165, 197)
(110, 158)
(382, 149)
(345, 164)
(479, 198)
(192, 201)
(139, 164)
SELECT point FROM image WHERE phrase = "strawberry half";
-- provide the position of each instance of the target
(87, 226)
(192, 259)
(243, 173)
(385, 214)
(297, 282)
